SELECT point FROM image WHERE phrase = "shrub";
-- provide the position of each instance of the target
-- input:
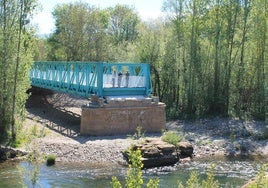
(51, 159)
(138, 134)
(15, 143)
(171, 138)
(194, 180)
(210, 182)
(134, 173)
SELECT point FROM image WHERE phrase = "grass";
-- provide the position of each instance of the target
(27, 133)
(51, 159)
(171, 137)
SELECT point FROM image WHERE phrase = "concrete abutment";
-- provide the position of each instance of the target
(122, 115)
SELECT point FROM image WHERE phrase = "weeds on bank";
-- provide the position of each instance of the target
(138, 134)
(51, 159)
(25, 136)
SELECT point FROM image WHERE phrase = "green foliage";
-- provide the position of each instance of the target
(115, 183)
(261, 180)
(15, 143)
(138, 134)
(194, 181)
(210, 181)
(97, 35)
(171, 137)
(134, 174)
(15, 61)
(31, 172)
(34, 130)
(51, 159)
(207, 59)
(134, 177)
(37, 132)
(26, 135)
(34, 175)
(153, 183)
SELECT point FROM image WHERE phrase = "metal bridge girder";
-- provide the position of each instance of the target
(86, 78)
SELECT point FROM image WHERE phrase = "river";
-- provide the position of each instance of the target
(229, 173)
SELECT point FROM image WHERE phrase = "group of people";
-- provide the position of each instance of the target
(120, 75)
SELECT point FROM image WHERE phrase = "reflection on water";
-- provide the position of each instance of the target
(230, 173)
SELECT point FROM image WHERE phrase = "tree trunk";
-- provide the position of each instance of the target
(13, 132)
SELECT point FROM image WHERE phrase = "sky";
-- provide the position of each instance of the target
(43, 20)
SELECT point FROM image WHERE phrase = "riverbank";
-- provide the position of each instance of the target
(57, 118)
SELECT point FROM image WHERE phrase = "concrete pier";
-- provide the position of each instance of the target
(122, 115)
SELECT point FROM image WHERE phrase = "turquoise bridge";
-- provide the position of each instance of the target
(98, 78)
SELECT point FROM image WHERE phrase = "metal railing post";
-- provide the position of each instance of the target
(100, 79)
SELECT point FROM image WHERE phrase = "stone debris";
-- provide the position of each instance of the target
(209, 137)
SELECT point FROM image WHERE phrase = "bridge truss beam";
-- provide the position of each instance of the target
(87, 78)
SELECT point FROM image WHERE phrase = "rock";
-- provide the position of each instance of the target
(186, 160)
(10, 153)
(156, 153)
(186, 149)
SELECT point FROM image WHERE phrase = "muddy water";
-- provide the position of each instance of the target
(229, 173)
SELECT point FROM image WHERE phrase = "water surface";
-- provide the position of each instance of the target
(229, 173)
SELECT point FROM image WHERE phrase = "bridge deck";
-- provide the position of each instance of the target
(85, 78)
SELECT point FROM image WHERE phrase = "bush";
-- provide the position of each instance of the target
(171, 138)
(194, 180)
(138, 134)
(15, 143)
(51, 159)
(134, 173)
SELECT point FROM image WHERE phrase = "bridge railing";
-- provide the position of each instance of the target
(86, 78)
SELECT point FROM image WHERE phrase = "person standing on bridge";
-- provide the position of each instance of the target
(127, 79)
(119, 78)
(113, 78)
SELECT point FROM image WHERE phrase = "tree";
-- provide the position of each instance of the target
(122, 31)
(15, 47)
(70, 31)
(123, 24)
(206, 57)
(259, 60)
(150, 49)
